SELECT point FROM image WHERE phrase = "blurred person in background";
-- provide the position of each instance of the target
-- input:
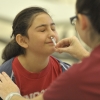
(82, 80)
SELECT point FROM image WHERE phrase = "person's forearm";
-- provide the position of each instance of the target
(86, 54)
(16, 97)
(83, 54)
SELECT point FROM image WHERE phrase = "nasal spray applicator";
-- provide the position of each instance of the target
(53, 40)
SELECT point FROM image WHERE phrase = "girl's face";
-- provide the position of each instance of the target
(40, 33)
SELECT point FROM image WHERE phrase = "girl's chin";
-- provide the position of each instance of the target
(54, 50)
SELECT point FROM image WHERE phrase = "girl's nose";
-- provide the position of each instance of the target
(51, 33)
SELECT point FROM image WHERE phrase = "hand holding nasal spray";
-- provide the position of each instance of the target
(53, 40)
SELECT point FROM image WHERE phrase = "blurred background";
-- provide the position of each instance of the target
(60, 10)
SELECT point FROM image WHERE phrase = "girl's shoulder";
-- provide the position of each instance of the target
(64, 65)
(7, 67)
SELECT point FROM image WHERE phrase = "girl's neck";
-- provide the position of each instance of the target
(33, 63)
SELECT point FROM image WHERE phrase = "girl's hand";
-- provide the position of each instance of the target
(7, 85)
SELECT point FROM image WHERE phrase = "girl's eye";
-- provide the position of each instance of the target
(42, 30)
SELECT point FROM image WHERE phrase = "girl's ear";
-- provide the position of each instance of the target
(83, 21)
(21, 40)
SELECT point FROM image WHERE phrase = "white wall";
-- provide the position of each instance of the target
(59, 11)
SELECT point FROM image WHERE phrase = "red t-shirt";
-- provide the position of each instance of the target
(80, 82)
(32, 84)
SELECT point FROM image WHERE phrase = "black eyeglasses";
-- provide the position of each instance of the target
(73, 20)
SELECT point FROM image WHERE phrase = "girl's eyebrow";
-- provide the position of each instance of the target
(43, 25)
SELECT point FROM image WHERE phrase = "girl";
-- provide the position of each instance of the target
(27, 57)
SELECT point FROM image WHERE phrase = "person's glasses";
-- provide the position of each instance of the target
(73, 20)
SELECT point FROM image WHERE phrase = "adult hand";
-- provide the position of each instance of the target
(6, 85)
(72, 46)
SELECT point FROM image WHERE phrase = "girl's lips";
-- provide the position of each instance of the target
(49, 42)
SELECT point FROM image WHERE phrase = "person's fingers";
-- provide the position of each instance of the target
(6, 76)
(2, 78)
(8, 79)
(60, 50)
(63, 43)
